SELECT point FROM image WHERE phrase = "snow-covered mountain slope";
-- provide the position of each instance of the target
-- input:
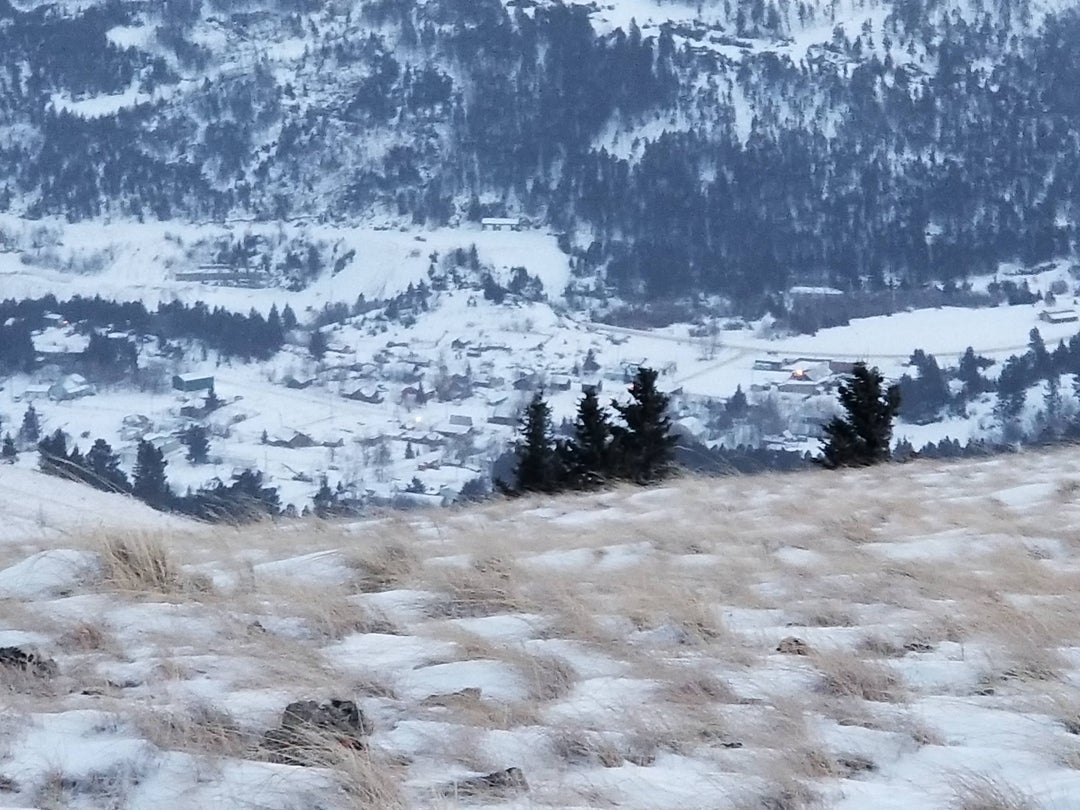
(729, 147)
(898, 637)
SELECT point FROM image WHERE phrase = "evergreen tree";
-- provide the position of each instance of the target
(970, 372)
(197, 443)
(537, 463)
(149, 482)
(8, 452)
(212, 402)
(737, 405)
(1041, 363)
(324, 503)
(30, 431)
(1008, 408)
(251, 498)
(862, 437)
(103, 466)
(927, 394)
(409, 452)
(53, 454)
(644, 448)
(288, 318)
(317, 345)
(588, 457)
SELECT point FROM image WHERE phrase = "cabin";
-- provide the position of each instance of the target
(815, 371)
(503, 223)
(294, 441)
(768, 365)
(192, 382)
(797, 386)
(1054, 316)
(505, 413)
(69, 387)
(32, 392)
(299, 383)
(369, 394)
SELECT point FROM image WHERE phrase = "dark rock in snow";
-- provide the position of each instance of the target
(307, 725)
(28, 661)
(793, 646)
(512, 780)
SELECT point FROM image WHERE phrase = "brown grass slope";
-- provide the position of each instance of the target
(620, 648)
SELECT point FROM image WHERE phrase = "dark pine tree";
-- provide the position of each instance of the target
(537, 467)
(588, 457)
(212, 402)
(862, 437)
(8, 452)
(644, 448)
(737, 405)
(53, 454)
(30, 431)
(325, 501)
(149, 482)
(969, 372)
(317, 345)
(103, 468)
(288, 318)
(197, 442)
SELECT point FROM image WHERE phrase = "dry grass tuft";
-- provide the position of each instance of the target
(548, 676)
(201, 729)
(382, 566)
(370, 779)
(326, 610)
(142, 565)
(982, 792)
(486, 588)
(785, 794)
(85, 636)
(846, 676)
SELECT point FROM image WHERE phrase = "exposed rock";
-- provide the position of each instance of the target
(512, 780)
(793, 646)
(8, 785)
(28, 661)
(470, 694)
(307, 725)
(856, 764)
(337, 715)
(918, 647)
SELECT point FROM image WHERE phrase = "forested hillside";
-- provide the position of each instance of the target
(737, 148)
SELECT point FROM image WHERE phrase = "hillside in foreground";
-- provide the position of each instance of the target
(903, 637)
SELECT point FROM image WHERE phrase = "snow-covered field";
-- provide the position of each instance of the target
(635, 648)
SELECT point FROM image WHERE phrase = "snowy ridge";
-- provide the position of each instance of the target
(902, 637)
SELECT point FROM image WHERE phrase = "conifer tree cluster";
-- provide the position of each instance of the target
(246, 498)
(599, 450)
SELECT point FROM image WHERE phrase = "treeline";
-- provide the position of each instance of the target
(249, 337)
